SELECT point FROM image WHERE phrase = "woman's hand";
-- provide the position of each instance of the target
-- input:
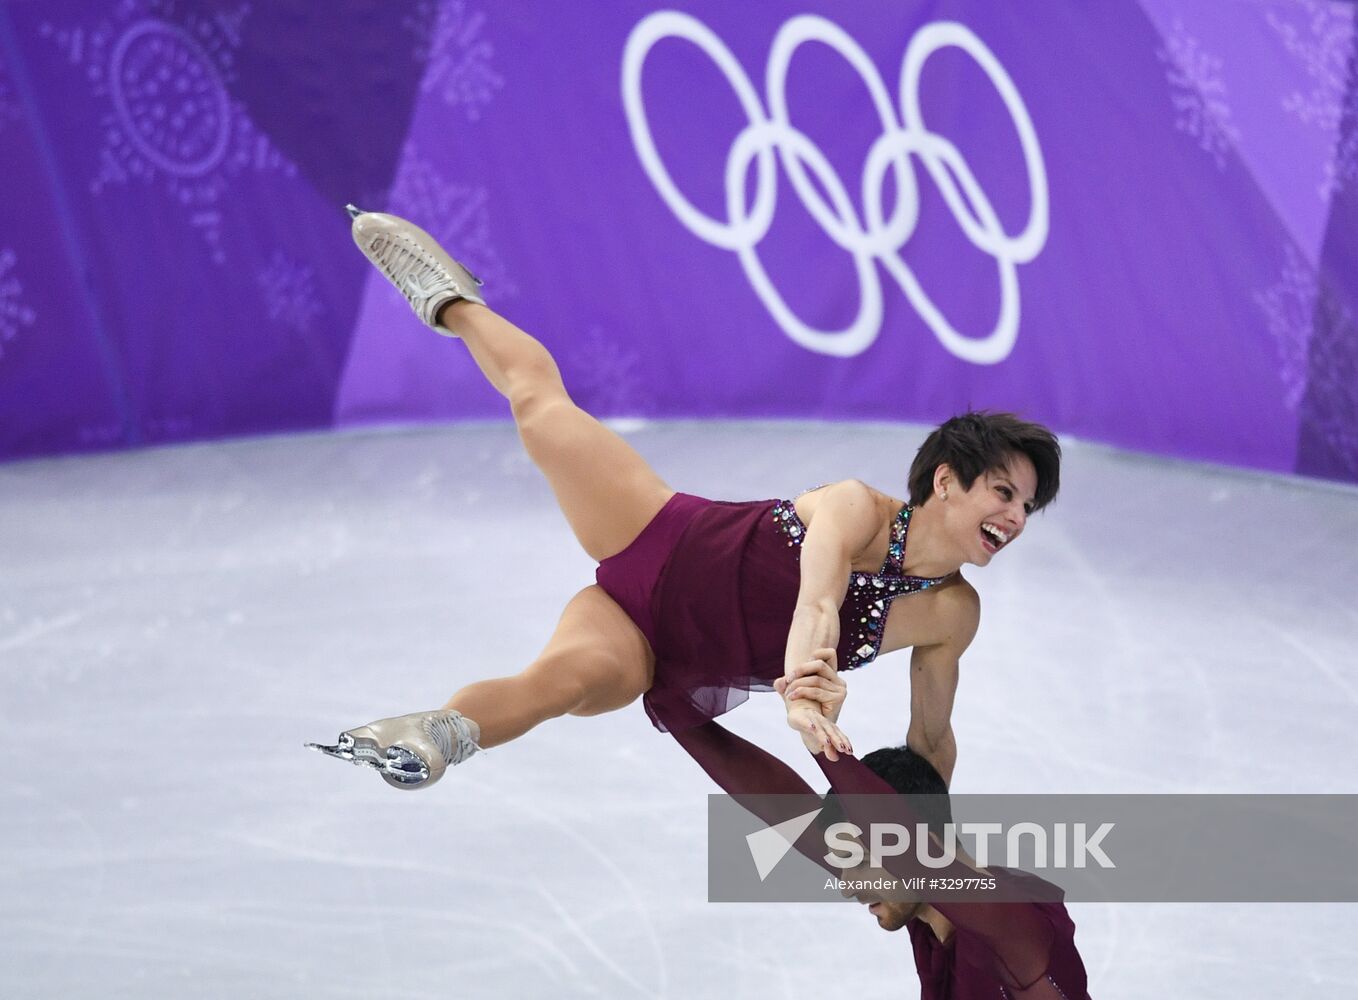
(814, 693)
(815, 682)
(819, 734)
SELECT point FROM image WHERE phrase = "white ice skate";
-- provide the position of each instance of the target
(411, 751)
(413, 261)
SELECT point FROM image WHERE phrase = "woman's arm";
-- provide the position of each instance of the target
(846, 522)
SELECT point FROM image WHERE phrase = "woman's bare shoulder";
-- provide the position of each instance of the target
(853, 516)
(847, 494)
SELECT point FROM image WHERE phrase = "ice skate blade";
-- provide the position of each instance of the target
(399, 766)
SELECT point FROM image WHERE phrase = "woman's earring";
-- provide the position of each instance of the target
(943, 495)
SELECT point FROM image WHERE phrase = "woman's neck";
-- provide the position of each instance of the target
(926, 547)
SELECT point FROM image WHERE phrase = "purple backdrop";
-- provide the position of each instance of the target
(1135, 221)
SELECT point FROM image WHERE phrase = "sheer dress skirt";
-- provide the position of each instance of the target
(712, 586)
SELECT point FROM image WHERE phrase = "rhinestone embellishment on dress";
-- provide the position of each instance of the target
(870, 594)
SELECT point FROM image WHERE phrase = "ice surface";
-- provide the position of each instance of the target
(175, 623)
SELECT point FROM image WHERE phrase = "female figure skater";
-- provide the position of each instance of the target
(698, 602)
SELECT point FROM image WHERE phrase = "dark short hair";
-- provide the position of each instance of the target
(978, 442)
(910, 774)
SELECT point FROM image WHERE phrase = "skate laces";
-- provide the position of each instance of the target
(452, 734)
(402, 260)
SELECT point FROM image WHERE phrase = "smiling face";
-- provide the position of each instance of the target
(990, 515)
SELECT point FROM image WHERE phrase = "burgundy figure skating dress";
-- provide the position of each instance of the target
(713, 585)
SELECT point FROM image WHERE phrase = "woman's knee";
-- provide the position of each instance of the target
(560, 681)
(550, 431)
(534, 392)
(617, 683)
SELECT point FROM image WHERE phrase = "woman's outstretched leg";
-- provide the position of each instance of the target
(606, 490)
(596, 661)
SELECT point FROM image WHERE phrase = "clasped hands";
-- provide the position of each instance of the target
(814, 693)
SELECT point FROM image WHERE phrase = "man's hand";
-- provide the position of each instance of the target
(814, 696)
(817, 680)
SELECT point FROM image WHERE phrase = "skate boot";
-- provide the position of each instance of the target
(411, 751)
(413, 261)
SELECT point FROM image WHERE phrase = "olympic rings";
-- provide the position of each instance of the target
(870, 239)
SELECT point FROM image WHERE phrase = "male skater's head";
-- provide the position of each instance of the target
(910, 774)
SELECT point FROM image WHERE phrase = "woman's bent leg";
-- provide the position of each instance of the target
(596, 661)
(606, 490)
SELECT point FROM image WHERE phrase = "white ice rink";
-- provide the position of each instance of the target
(175, 623)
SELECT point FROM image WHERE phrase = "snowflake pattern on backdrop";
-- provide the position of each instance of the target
(1319, 38)
(455, 55)
(456, 215)
(1289, 312)
(1321, 387)
(604, 375)
(1332, 395)
(1198, 94)
(289, 290)
(14, 313)
(168, 118)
